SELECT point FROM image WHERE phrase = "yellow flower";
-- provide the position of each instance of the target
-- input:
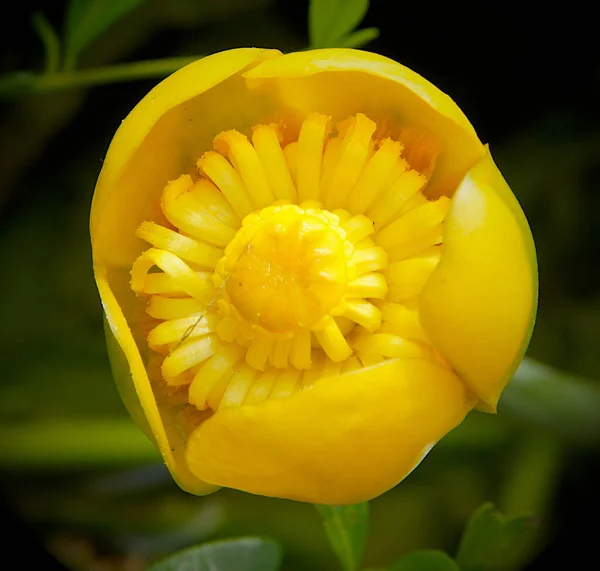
(311, 270)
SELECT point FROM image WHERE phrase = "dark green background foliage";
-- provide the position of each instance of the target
(79, 479)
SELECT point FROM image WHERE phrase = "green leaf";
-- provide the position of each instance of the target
(87, 19)
(246, 554)
(426, 560)
(359, 38)
(481, 544)
(519, 536)
(492, 542)
(346, 528)
(331, 20)
(49, 39)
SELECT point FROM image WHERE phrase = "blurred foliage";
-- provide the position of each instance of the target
(76, 469)
(331, 24)
(425, 560)
(346, 528)
(492, 542)
(233, 555)
(87, 19)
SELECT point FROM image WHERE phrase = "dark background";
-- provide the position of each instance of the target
(527, 77)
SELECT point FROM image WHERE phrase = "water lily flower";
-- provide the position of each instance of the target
(311, 271)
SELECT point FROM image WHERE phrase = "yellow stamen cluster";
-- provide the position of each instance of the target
(287, 264)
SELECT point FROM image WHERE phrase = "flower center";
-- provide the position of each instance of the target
(286, 268)
(286, 261)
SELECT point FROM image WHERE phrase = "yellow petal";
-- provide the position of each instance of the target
(343, 82)
(136, 391)
(153, 145)
(479, 304)
(162, 137)
(336, 443)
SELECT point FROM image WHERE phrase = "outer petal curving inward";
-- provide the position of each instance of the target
(479, 305)
(154, 144)
(352, 436)
(341, 82)
(345, 440)
(162, 137)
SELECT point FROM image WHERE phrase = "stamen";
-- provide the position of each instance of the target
(245, 160)
(213, 369)
(185, 211)
(186, 248)
(187, 355)
(417, 199)
(363, 313)
(290, 152)
(216, 394)
(217, 168)
(402, 320)
(391, 346)
(239, 386)
(189, 281)
(300, 351)
(370, 359)
(332, 341)
(391, 205)
(331, 156)
(407, 278)
(164, 284)
(262, 387)
(266, 141)
(353, 155)
(286, 384)
(369, 259)
(258, 353)
(228, 329)
(372, 285)
(310, 153)
(413, 223)
(161, 307)
(420, 242)
(281, 351)
(344, 324)
(215, 203)
(173, 330)
(372, 181)
(317, 254)
(358, 228)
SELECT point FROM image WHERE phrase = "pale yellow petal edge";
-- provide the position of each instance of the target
(140, 401)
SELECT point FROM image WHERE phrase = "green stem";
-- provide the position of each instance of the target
(74, 443)
(50, 40)
(531, 480)
(16, 83)
(554, 401)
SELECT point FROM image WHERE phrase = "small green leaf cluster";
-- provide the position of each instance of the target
(490, 542)
(332, 24)
(87, 19)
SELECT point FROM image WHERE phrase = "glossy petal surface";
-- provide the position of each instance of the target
(340, 82)
(347, 439)
(447, 339)
(478, 306)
